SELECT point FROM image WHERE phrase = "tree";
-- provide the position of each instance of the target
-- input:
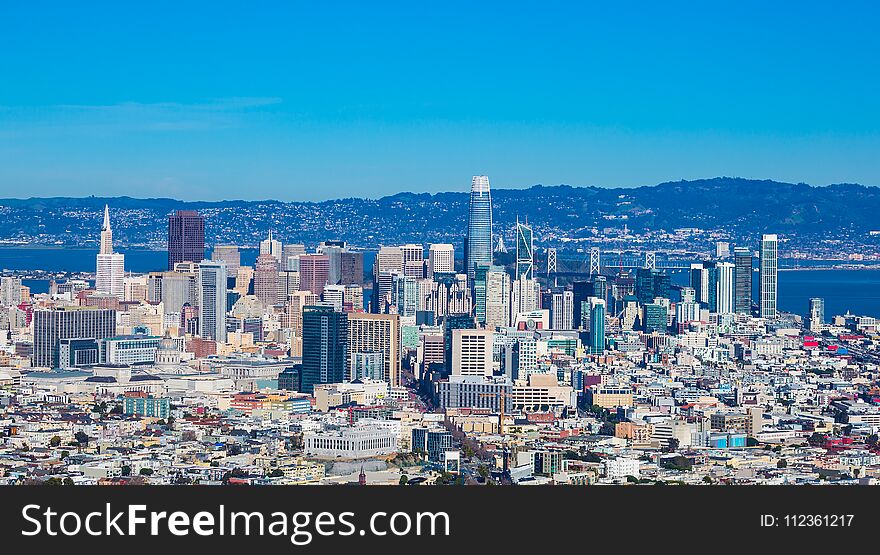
(782, 463)
(55, 441)
(403, 479)
(146, 471)
(276, 473)
(82, 438)
(126, 470)
(816, 439)
(872, 440)
(673, 445)
(68, 482)
(65, 454)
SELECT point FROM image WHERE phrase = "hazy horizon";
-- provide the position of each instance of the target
(415, 192)
(352, 100)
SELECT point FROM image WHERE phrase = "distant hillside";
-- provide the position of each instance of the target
(741, 209)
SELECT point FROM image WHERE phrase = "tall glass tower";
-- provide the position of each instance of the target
(769, 268)
(479, 239)
(743, 286)
(525, 250)
(212, 300)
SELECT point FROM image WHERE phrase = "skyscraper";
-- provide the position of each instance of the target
(525, 250)
(441, 259)
(452, 322)
(110, 273)
(186, 237)
(230, 255)
(266, 279)
(314, 272)
(817, 314)
(325, 346)
(376, 333)
(524, 295)
(562, 310)
(650, 284)
(479, 237)
(212, 300)
(271, 246)
(497, 298)
(597, 325)
(724, 301)
(743, 286)
(769, 269)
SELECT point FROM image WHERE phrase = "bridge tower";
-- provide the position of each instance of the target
(650, 260)
(594, 261)
(551, 264)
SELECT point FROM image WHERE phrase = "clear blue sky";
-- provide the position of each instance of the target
(328, 99)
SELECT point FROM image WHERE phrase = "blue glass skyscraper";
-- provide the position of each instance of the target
(479, 239)
(597, 327)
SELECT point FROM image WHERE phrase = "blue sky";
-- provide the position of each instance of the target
(308, 101)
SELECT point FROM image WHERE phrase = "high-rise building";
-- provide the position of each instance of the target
(266, 279)
(334, 295)
(817, 314)
(351, 268)
(525, 251)
(562, 310)
(290, 253)
(10, 291)
(650, 284)
(452, 322)
(271, 246)
(376, 333)
(769, 269)
(524, 294)
(441, 259)
(325, 347)
(404, 295)
(725, 284)
(110, 266)
(743, 287)
(497, 298)
(293, 311)
(212, 300)
(314, 272)
(597, 325)
(230, 255)
(479, 238)
(582, 290)
(492, 295)
(288, 283)
(655, 318)
(704, 281)
(68, 322)
(412, 253)
(186, 237)
(472, 352)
